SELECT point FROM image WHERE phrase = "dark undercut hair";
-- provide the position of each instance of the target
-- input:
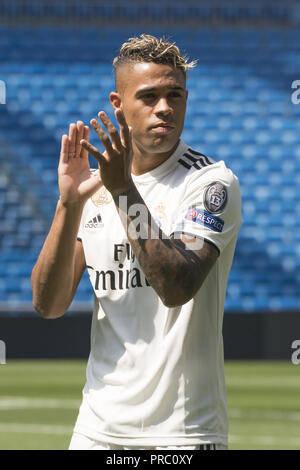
(147, 48)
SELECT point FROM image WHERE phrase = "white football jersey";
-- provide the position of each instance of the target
(155, 375)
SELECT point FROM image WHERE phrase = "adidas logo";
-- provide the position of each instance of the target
(95, 222)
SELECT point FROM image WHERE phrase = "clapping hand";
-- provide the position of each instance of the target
(115, 162)
(75, 180)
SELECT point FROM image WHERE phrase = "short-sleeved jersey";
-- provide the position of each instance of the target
(155, 375)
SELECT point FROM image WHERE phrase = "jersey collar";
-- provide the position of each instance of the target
(161, 170)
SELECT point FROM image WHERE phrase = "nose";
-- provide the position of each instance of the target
(162, 107)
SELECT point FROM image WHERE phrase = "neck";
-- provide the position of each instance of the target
(143, 162)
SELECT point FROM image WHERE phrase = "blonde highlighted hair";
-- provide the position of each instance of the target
(147, 48)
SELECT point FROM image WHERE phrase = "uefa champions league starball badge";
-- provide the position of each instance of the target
(101, 197)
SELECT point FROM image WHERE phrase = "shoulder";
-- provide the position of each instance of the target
(211, 184)
(199, 169)
(192, 160)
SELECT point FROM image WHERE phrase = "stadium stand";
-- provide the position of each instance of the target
(239, 110)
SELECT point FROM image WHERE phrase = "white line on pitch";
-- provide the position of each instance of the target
(279, 441)
(280, 415)
(11, 403)
(35, 428)
(65, 430)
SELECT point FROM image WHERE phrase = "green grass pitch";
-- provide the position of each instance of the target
(39, 402)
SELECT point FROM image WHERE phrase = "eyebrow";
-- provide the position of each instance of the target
(149, 89)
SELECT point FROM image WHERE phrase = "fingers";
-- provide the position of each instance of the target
(125, 132)
(79, 136)
(113, 133)
(71, 147)
(64, 157)
(72, 140)
(102, 135)
(76, 144)
(86, 135)
(94, 151)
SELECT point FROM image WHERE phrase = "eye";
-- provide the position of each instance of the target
(148, 96)
(174, 94)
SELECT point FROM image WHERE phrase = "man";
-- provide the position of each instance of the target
(156, 228)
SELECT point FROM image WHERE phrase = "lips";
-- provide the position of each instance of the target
(163, 124)
(163, 127)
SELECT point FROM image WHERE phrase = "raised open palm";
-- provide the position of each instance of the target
(75, 180)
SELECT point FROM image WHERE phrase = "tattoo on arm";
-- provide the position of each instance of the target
(174, 266)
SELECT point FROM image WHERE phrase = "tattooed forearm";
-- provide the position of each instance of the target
(174, 272)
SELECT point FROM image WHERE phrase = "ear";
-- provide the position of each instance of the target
(115, 100)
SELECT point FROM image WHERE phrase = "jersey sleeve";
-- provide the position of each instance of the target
(211, 207)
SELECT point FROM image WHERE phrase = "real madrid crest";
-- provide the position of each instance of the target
(215, 197)
(101, 197)
(159, 214)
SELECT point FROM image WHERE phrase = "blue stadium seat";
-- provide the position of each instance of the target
(239, 110)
